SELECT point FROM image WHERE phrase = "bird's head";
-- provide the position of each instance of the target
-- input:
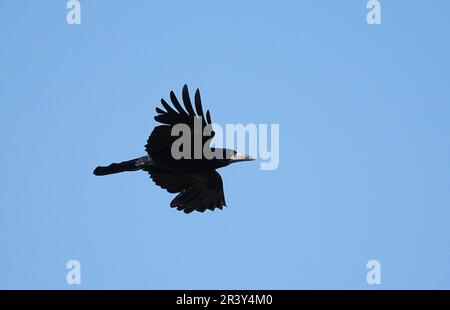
(230, 156)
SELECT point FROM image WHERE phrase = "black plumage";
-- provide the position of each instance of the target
(195, 179)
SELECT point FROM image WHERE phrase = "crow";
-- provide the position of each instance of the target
(193, 176)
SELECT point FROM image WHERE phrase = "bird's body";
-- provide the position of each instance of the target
(193, 176)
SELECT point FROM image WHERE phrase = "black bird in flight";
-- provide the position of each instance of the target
(194, 178)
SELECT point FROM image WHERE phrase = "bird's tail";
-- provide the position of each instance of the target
(129, 165)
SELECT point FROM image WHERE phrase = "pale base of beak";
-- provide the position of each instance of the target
(240, 157)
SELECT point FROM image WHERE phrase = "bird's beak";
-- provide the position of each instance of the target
(240, 157)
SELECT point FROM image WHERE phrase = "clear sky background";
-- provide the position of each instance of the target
(364, 144)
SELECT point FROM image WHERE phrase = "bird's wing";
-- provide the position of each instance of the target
(160, 141)
(197, 191)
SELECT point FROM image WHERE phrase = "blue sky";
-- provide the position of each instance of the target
(364, 144)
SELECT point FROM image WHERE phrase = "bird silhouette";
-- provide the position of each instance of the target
(193, 176)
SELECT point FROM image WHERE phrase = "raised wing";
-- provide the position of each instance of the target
(197, 191)
(160, 141)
